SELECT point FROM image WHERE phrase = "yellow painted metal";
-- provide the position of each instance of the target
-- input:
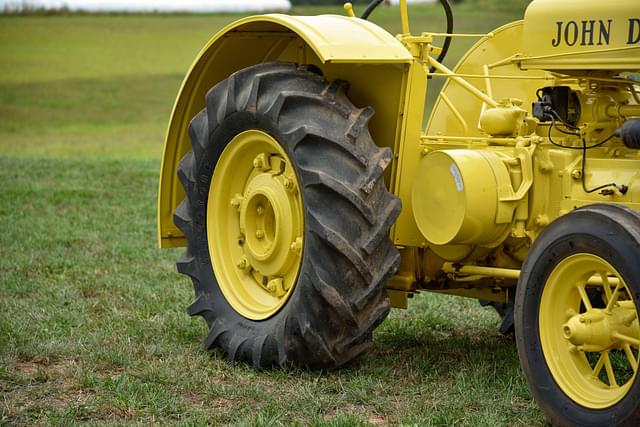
(406, 275)
(405, 231)
(512, 180)
(620, 110)
(398, 299)
(255, 225)
(579, 340)
(456, 114)
(465, 84)
(456, 197)
(404, 17)
(477, 270)
(505, 42)
(505, 119)
(348, 8)
(582, 35)
(463, 196)
(343, 48)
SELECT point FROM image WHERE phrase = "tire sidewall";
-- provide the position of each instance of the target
(579, 232)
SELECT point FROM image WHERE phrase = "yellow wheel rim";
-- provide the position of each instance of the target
(255, 225)
(589, 331)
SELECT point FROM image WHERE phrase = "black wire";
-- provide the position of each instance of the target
(583, 175)
(370, 8)
(622, 188)
(447, 41)
(562, 121)
(570, 147)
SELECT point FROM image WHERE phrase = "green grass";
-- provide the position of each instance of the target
(92, 320)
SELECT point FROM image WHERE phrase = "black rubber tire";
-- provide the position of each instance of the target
(612, 233)
(340, 296)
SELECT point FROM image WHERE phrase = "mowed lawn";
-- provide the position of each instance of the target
(92, 315)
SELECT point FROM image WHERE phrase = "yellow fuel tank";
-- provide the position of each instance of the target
(457, 197)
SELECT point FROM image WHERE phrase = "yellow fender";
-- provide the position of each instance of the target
(348, 48)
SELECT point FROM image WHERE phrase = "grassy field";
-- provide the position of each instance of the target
(92, 321)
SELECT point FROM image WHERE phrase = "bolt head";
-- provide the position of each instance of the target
(262, 162)
(260, 210)
(541, 220)
(296, 245)
(259, 234)
(236, 201)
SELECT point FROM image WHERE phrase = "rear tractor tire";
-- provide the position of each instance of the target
(286, 218)
(576, 318)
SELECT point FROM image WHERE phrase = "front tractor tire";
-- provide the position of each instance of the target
(576, 318)
(286, 218)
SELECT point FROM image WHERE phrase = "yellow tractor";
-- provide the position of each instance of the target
(306, 217)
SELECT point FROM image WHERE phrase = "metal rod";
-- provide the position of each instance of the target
(404, 17)
(480, 76)
(623, 110)
(472, 139)
(455, 112)
(507, 273)
(465, 84)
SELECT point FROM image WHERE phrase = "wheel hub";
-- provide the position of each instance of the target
(598, 330)
(255, 224)
(266, 214)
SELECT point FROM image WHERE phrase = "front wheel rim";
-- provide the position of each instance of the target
(589, 331)
(255, 225)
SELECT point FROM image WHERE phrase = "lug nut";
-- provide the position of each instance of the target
(275, 286)
(296, 245)
(259, 234)
(260, 210)
(290, 185)
(236, 201)
(243, 264)
(261, 161)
